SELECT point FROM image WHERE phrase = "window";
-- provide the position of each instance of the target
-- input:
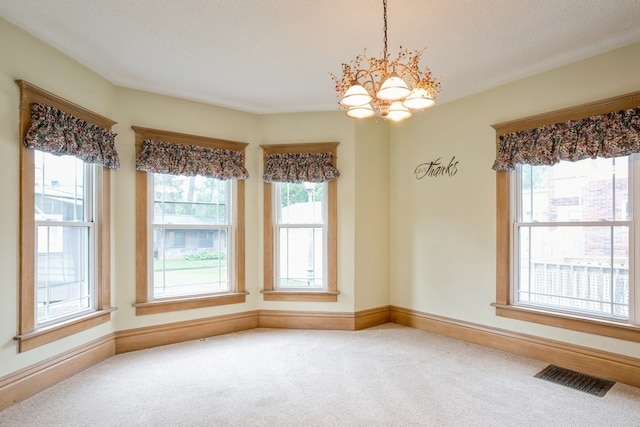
(64, 225)
(65, 237)
(567, 202)
(300, 194)
(572, 237)
(190, 222)
(301, 218)
(184, 210)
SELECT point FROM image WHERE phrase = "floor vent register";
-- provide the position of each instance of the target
(575, 380)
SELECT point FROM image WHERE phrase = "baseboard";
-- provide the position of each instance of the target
(373, 317)
(598, 363)
(287, 319)
(154, 336)
(26, 382)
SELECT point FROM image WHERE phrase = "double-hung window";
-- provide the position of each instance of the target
(300, 243)
(64, 226)
(191, 236)
(190, 221)
(568, 202)
(301, 235)
(573, 236)
(65, 237)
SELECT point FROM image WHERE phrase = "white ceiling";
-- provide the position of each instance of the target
(275, 56)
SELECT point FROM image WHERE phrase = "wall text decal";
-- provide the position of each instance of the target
(436, 168)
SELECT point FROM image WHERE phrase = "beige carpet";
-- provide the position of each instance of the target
(385, 376)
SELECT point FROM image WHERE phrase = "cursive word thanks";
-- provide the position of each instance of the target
(436, 168)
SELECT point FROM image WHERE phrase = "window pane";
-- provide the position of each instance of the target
(586, 190)
(582, 269)
(189, 200)
(190, 261)
(63, 285)
(301, 263)
(59, 188)
(300, 203)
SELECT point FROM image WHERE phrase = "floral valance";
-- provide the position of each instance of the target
(300, 167)
(608, 135)
(59, 133)
(181, 159)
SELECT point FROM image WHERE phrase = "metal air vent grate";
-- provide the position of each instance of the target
(575, 380)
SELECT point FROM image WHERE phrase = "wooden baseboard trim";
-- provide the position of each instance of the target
(598, 363)
(154, 336)
(372, 317)
(26, 382)
(286, 319)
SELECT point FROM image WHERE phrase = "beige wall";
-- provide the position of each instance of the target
(22, 57)
(443, 228)
(321, 127)
(433, 240)
(28, 59)
(371, 255)
(136, 108)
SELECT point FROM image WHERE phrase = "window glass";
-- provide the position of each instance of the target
(64, 237)
(191, 235)
(301, 235)
(573, 237)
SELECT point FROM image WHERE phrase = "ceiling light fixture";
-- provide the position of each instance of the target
(390, 89)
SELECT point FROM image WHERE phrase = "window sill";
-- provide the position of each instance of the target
(623, 331)
(312, 296)
(177, 304)
(42, 336)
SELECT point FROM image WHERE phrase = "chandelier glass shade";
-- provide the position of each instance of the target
(389, 88)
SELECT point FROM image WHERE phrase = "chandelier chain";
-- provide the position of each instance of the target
(384, 4)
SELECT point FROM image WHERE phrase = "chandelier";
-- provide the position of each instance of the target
(386, 88)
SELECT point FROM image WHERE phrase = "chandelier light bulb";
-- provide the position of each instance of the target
(360, 112)
(419, 99)
(393, 89)
(356, 95)
(398, 112)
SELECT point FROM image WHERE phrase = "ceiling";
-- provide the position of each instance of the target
(275, 56)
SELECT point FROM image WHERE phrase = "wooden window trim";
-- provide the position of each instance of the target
(29, 336)
(145, 306)
(269, 292)
(504, 302)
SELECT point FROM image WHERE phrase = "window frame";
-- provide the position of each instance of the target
(270, 292)
(144, 303)
(30, 336)
(505, 205)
